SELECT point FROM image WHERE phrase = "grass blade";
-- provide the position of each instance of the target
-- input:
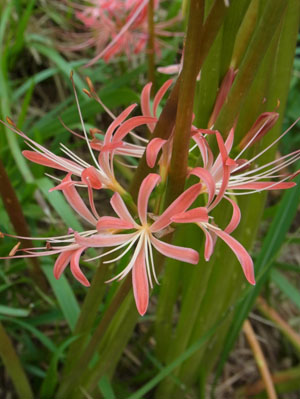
(271, 245)
(64, 295)
(13, 366)
(286, 287)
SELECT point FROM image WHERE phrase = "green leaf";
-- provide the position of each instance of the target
(8, 311)
(178, 361)
(38, 334)
(286, 287)
(60, 62)
(57, 200)
(13, 366)
(271, 245)
(64, 295)
(106, 388)
(51, 379)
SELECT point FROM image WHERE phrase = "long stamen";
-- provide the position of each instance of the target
(267, 148)
(82, 123)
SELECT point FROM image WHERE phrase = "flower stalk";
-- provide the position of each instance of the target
(15, 213)
(182, 131)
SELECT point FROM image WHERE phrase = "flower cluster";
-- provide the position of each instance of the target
(117, 27)
(138, 228)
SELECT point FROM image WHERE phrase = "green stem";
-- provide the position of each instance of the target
(261, 39)
(87, 317)
(13, 366)
(71, 381)
(182, 133)
(150, 47)
(15, 213)
(166, 122)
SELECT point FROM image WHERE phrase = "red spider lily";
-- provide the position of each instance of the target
(240, 178)
(199, 216)
(101, 175)
(115, 27)
(143, 237)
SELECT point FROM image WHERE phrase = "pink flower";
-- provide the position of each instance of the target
(241, 177)
(143, 237)
(100, 172)
(116, 27)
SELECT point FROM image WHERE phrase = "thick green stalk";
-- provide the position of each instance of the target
(150, 46)
(13, 366)
(182, 133)
(71, 381)
(282, 55)
(211, 309)
(166, 122)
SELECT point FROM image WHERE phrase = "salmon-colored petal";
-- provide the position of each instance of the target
(102, 240)
(196, 215)
(236, 217)
(228, 146)
(76, 202)
(111, 146)
(240, 252)
(120, 208)
(183, 254)
(140, 283)
(145, 100)
(146, 189)
(222, 189)
(117, 122)
(159, 95)
(206, 176)
(153, 149)
(209, 245)
(206, 153)
(180, 205)
(75, 269)
(42, 160)
(61, 263)
(110, 222)
(131, 124)
(92, 175)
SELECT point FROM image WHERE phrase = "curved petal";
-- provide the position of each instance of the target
(146, 189)
(131, 124)
(140, 283)
(183, 254)
(61, 263)
(75, 200)
(75, 269)
(42, 160)
(92, 174)
(236, 216)
(102, 240)
(206, 153)
(206, 176)
(209, 243)
(110, 222)
(145, 100)
(120, 208)
(153, 149)
(240, 252)
(117, 122)
(159, 95)
(196, 215)
(180, 205)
